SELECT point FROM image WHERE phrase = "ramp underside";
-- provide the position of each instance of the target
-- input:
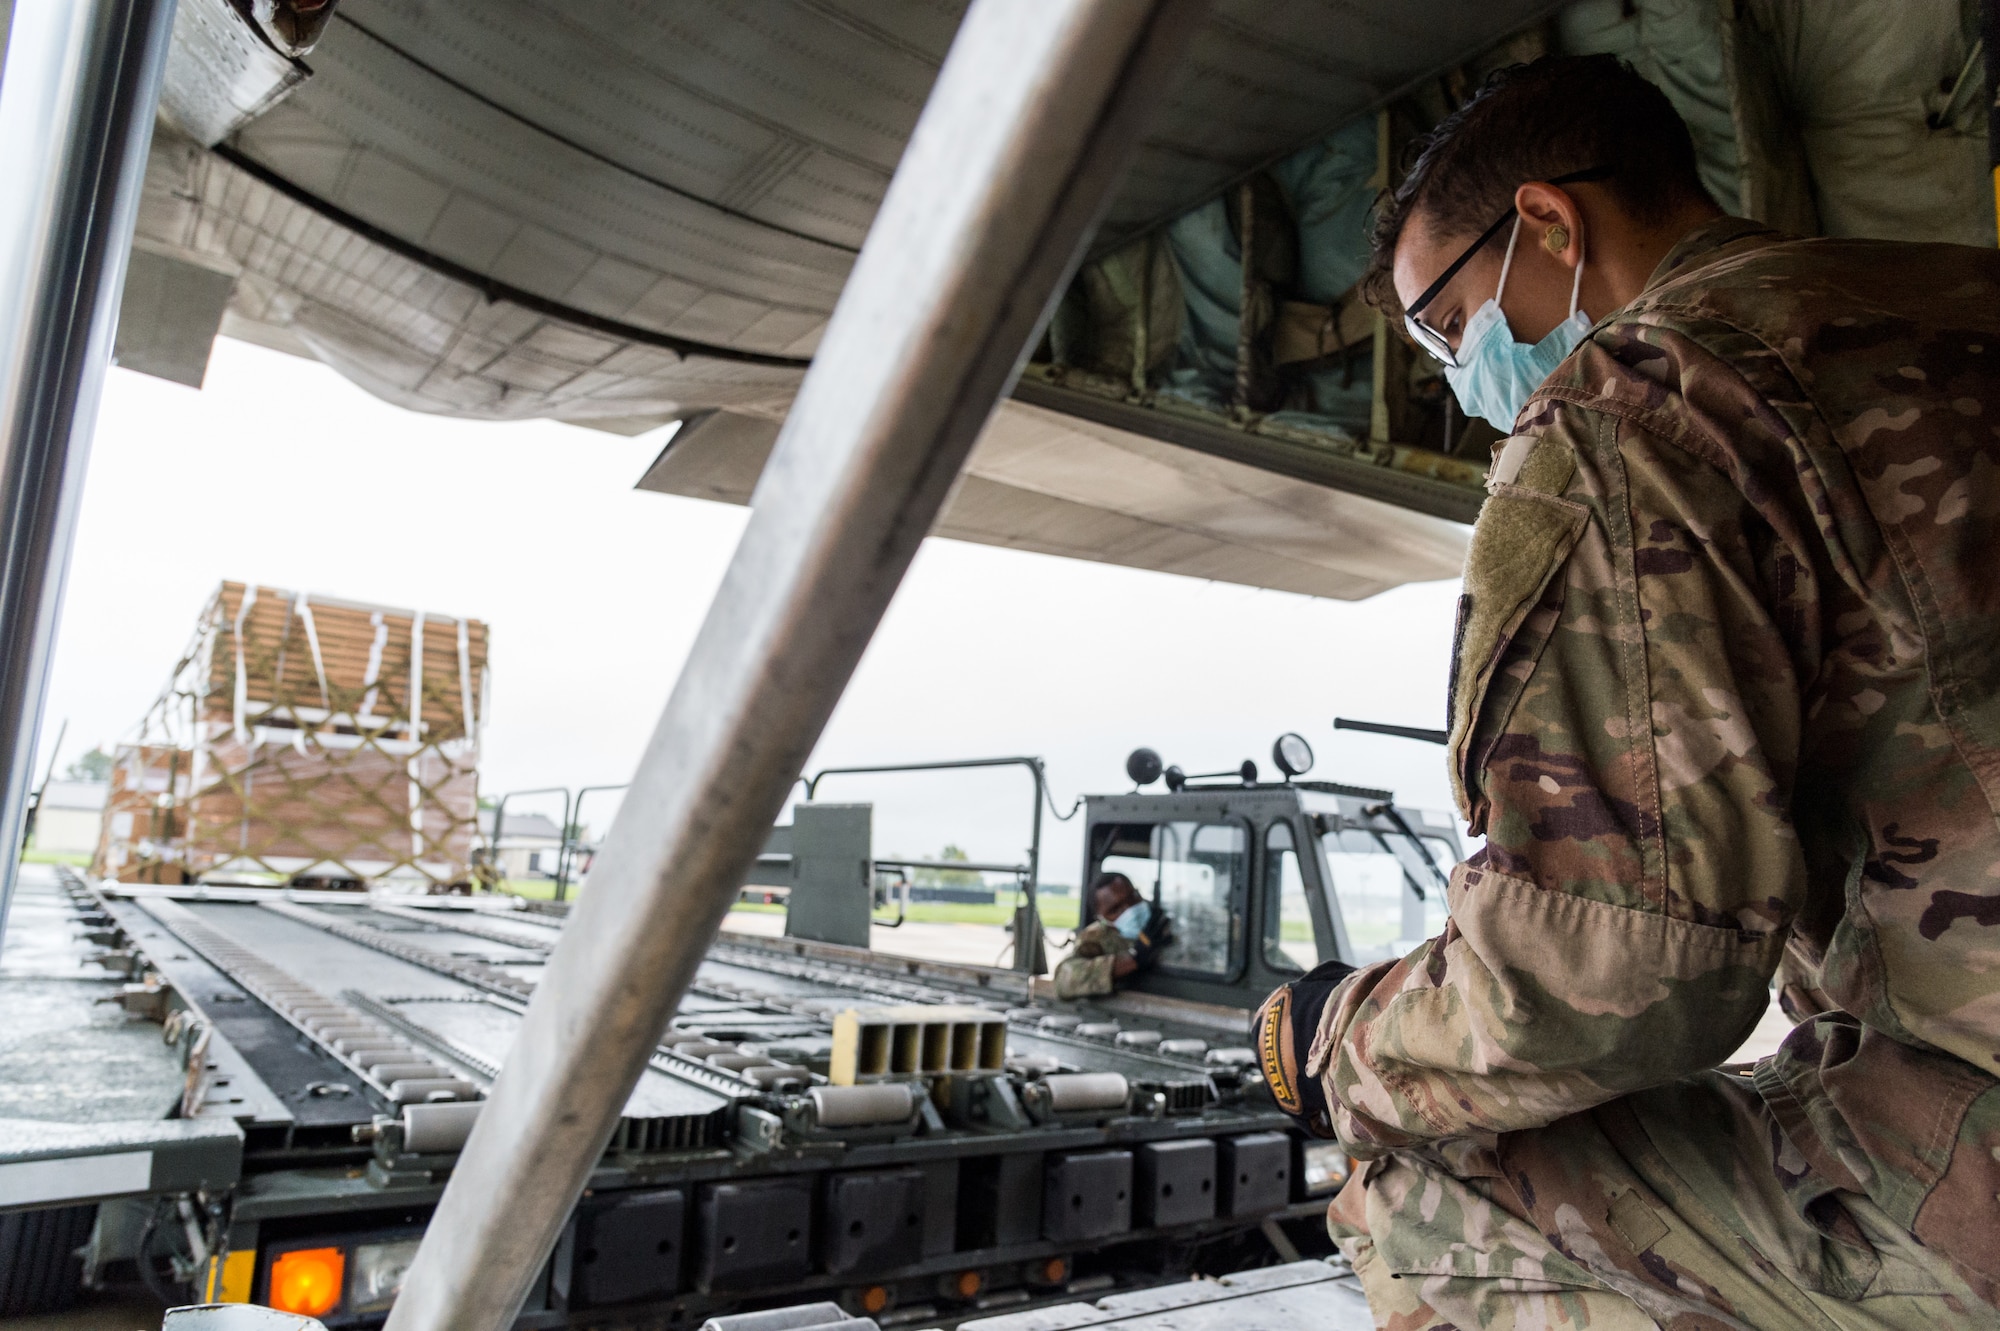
(1055, 484)
(621, 216)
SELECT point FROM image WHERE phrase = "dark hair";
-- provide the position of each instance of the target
(1105, 880)
(1535, 122)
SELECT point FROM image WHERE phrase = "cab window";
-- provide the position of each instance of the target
(1289, 943)
(1388, 896)
(1194, 873)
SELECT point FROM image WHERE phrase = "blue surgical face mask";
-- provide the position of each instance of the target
(1495, 375)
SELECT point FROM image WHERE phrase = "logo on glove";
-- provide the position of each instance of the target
(1274, 1047)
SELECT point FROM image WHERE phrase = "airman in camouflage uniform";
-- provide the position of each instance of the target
(1124, 939)
(1727, 693)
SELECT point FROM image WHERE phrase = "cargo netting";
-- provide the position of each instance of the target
(308, 741)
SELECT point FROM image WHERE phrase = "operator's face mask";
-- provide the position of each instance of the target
(1492, 374)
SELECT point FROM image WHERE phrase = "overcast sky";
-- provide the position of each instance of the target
(280, 472)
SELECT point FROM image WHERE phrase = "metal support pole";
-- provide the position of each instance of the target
(1019, 148)
(77, 100)
(1028, 932)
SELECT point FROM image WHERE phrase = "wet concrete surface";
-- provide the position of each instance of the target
(66, 1054)
(957, 944)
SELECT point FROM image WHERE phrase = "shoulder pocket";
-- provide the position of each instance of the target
(1523, 537)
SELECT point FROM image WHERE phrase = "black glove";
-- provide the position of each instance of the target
(1285, 1028)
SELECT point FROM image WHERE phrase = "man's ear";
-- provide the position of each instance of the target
(1551, 221)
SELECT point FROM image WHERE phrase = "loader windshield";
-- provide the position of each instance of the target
(1388, 894)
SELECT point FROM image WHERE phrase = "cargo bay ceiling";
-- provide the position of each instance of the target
(623, 213)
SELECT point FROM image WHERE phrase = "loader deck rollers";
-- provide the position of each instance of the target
(918, 1142)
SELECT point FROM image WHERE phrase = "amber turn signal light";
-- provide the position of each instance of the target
(308, 1280)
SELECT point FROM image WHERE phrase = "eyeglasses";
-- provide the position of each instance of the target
(1429, 338)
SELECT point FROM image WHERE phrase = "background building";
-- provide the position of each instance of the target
(70, 817)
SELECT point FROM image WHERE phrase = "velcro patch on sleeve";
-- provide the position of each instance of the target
(1523, 537)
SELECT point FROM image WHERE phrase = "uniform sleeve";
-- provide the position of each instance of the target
(1625, 721)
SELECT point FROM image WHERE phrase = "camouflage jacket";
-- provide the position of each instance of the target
(1727, 686)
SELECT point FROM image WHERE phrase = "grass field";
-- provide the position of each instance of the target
(74, 860)
(534, 889)
(1058, 911)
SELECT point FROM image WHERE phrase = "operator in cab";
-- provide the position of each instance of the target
(1725, 705)
(1116, 945)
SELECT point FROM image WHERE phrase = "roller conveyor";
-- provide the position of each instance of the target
(919, 1141)
(351, 1040)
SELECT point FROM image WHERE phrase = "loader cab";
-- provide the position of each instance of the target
(1260, 882)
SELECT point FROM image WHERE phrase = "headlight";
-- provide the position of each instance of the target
(379, 1269)
(1327, 1167)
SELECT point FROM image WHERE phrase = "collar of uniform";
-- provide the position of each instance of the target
(1690, 250)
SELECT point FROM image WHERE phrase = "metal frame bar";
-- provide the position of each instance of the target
(42, 790)
(572, 844)
(955, 866)
(500, 828)
(1027, 131)
(77, 101)
(1027, 927)
(1424, 733)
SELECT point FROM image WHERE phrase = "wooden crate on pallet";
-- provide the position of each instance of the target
(307, 740)
(140, 839)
